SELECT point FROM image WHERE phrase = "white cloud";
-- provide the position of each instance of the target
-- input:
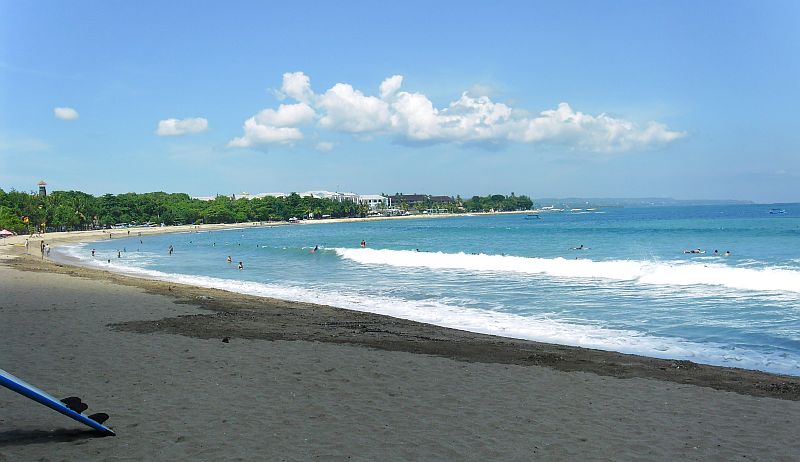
(412, 117)
(390, 86)
(286, 115)
(297, 85)
(272, 126)
(348, 110)
(65, 113)
(177, 127)
(602, 133)
(325, 146)
(256, 133)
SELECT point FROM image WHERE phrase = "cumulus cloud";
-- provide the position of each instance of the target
(286, 115)
(256, 133)
(348, 110)
(296, 85)
(65, 113)
(274, 126)
(390, 86)
(411, 117)
(601, 133)
(177, 127)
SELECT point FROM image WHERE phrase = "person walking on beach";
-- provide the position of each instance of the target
(27, 245)
(47, 250)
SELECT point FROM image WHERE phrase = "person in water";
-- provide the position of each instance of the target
(314, 250)
(230, 260)
(363, 243)
(241, 266)
(727, 253)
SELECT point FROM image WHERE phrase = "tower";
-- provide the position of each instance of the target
(42, 188)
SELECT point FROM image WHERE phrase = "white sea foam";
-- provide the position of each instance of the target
(440, 313)
(643, 272)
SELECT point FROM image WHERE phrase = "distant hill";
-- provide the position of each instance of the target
(583, 202)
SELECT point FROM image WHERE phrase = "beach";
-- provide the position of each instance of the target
(297, 381)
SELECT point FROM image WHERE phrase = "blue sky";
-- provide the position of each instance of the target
(602, 99)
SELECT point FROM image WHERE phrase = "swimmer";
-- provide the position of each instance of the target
(363, 243)
(241, 266)
(314, 250)
(230, 260)
(581, 247)
(727, 253)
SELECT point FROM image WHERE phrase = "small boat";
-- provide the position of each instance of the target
(777, 211)
(532, 216)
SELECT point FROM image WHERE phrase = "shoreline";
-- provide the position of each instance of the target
(187, 374)
(237, 315)
(60, 237)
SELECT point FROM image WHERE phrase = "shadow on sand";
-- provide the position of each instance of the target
(10, 438)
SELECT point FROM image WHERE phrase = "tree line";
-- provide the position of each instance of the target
(23, 212)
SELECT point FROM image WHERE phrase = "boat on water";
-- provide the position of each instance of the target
(532, 216)
(777, 211)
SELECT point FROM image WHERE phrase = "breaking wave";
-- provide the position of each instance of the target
(643, 272)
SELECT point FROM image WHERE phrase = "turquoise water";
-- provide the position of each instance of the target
(630, 289)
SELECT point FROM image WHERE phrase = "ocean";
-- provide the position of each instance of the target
(610, 278)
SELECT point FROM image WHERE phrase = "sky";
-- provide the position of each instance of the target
(681, 99)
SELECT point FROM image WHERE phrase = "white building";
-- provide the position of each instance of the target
(272, 194)
(336, 196)
(375, 201)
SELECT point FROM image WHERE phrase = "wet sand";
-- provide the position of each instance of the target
(303, 382)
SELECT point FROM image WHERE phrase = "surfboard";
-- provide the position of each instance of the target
(29, 391)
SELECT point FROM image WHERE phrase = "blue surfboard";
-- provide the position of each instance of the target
(29, 391)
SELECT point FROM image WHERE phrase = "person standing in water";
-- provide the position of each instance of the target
(363, 243)
(241, 266)
(171, 249)
(230, 260)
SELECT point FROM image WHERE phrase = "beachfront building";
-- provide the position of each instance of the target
(375, 201)
(270, 194)
(42, 189)
(414, 199)
(335, 196)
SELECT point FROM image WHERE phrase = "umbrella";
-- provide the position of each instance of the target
(5, 233)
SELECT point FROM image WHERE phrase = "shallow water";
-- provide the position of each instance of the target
(630, 289)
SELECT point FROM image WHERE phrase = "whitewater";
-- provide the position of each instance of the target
(618, 280)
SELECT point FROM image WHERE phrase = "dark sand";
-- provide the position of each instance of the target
(306, 382)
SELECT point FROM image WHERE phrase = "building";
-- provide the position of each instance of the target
(42, 189)
(414, 199)
(336, 196)
(375, 201)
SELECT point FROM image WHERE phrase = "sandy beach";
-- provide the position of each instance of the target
(300, 382)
